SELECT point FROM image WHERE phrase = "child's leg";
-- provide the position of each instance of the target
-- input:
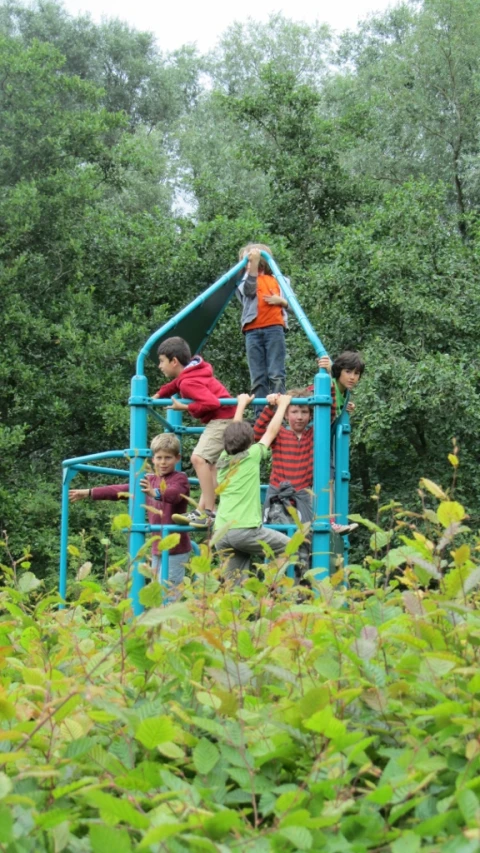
(204, 457)
(257, 364)
(203, 470)
(237, 565)
(276, 355)
(176, 575)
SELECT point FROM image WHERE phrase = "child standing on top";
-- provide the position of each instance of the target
(166, 491)
(264, 320)
(193, 379)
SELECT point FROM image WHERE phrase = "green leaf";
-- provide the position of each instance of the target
(469, 807)
(244, 644)
(205, 756)
(122, 521)
(370, 525)
(103, 838)
(115, 810)
(380, 539)
(326, 724)
(221, 824)
(450, 511)
(28, 582)
(5, 785)
(201, 565)
(299, 836)
(159, 615)
(432, 487)
(168, 542)
(155, 730)
(407, 843)
(151, 595)
(6, 825)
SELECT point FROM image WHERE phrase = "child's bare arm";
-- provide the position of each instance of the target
(276, 422)
(78, 494)
(243, 400)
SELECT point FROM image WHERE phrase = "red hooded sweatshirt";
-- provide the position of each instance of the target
(196, 382)
(172, 487)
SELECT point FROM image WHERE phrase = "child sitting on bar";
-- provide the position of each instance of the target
(193, 379)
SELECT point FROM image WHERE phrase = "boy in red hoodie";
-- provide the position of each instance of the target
(192, 378)
(166, 492)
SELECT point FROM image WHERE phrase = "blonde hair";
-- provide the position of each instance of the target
(264, 248)
(166, 441)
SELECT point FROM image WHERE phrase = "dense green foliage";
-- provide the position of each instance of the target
(240, 720)
(129, 179)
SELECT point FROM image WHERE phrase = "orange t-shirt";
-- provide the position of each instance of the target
(268, 315)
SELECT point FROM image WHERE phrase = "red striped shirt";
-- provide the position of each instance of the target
(292, 457)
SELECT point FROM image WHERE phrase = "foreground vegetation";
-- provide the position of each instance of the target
(241, 719)
(129, 178)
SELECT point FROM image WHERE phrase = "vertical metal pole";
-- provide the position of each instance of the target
(321, 476)
(138, 454)
(175, 419)
(68, 475)
(342, 475)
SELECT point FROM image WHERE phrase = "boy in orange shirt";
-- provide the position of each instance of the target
(264, 320)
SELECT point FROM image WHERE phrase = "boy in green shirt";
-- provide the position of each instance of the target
(239, 515)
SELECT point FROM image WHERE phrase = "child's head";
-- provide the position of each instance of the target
(298, 416)
(238, 437)
(165, 453)
(347, 369)
(262, 265)
(173, 355)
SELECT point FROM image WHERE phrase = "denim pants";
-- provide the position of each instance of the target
(176, 573)
(266, 361)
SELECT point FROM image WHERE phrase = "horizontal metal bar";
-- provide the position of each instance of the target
(107, 454)
(99, 469)
(229, 401)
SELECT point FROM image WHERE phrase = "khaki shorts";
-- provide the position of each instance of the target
(210, 444)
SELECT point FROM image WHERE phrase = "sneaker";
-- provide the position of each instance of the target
(199, 518)
(342, 529)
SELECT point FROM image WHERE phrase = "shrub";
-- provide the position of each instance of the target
(240, 719)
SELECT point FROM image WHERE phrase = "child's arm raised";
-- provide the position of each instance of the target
(276, 422)
(250, 284)
(243, 400)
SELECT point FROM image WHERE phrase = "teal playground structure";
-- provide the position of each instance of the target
(195, 323)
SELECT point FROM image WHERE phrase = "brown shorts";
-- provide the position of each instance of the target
(210, 444)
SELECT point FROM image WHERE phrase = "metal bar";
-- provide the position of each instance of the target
(138, 453)
(184, 312)
(99, 469)
(159, 418)
(295, 307)
(107, 454)
(68, 476)
(321, 477)
(223, 401)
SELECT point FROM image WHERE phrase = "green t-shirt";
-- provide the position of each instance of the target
(240, 498)
(339, 399)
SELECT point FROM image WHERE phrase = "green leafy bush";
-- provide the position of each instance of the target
(241, 719)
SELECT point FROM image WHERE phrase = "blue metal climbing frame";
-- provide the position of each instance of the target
(208, 308)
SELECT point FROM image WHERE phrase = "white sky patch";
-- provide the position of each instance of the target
(180, 22)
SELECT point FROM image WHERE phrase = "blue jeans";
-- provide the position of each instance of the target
(266, 353)
(176, 573)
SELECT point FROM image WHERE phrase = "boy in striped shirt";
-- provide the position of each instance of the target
(292, 458)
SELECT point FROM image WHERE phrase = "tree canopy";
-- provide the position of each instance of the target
(129, 178)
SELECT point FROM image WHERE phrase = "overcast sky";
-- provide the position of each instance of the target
(178, 22)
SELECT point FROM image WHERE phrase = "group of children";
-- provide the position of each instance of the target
(230, 450)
